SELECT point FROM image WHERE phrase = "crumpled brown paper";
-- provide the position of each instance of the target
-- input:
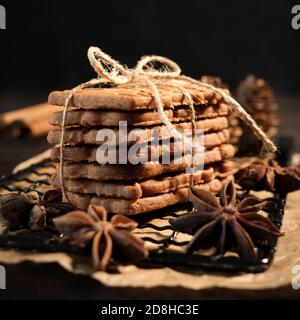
(278, 275)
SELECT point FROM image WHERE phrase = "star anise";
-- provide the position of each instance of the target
(28, 210)
(269, 175)
(107, 239)
(226, 224)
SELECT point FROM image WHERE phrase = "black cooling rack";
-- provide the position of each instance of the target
(29, 179)
(166, 256)
(168, 249)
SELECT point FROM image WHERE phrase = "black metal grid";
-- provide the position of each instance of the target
(167, 256)
(10, 182)
(168, 251)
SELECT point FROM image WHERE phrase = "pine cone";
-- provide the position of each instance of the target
(257, 97)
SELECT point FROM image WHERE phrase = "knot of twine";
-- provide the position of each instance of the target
(112, 72)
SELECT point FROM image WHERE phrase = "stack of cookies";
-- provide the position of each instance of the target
(256, 95)
(234, 121)
(128, 187)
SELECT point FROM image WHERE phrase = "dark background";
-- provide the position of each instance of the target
(45, 44)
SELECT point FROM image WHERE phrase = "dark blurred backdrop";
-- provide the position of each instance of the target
(45, 44)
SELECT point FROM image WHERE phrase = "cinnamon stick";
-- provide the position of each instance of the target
(34, 118)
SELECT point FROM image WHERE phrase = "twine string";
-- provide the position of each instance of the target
(242, 113)
(85, 85)
(111, 71)
(190, 104)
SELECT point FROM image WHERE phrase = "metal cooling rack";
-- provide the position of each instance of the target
(168, 246)
(172, 251)
(34, 178)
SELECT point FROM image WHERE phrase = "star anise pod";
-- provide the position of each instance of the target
(107, 239)
(226, 224)
(15, 208)
(28, 210)
(269, 175)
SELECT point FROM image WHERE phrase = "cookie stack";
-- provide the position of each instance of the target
(127, 187)
(256, 95)
(234, 121)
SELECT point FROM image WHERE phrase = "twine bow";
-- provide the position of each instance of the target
(112, 72)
